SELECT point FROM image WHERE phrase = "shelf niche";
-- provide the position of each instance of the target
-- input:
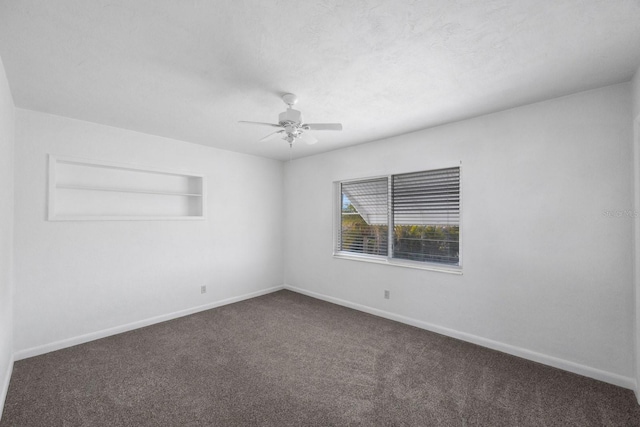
(82, 189)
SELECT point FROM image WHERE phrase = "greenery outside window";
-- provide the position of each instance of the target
(406, 219)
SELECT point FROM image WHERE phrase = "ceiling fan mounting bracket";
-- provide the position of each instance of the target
(290, 99)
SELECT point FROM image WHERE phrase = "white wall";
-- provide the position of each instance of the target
(546, 274)
(635, 84)
(635, 90)
(7, 122)
(75, 278)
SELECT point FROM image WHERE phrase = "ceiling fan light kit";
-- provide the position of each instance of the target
(292, 126)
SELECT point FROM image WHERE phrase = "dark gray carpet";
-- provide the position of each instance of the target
(285, 359)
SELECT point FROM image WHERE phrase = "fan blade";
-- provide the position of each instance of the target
(307, 138)
(260, 123)
(271, 136)
(323, 126)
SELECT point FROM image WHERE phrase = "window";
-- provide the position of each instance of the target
(406, 219)
(364, 219)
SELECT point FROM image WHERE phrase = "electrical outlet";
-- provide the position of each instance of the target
(203, 289)
(386, 294)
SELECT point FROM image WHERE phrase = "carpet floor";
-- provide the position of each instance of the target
(285, 359)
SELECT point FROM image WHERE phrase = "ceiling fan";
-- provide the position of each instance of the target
(291, 126)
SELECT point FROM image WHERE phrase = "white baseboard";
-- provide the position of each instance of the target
(5, 385)
(69, 342)
(566, 365)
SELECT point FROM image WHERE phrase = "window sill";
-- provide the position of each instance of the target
(400, 263)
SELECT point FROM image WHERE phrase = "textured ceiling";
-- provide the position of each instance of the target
(191, 69)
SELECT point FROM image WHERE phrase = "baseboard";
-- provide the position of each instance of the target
(69, 342)
(5, 385)
(566, 365)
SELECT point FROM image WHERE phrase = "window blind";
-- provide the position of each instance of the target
(364, 217)
(426, 215)
(413, 216)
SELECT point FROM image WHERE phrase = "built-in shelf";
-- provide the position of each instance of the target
(82, 189)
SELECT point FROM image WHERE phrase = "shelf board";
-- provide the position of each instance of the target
(122, 190)
(125, 218)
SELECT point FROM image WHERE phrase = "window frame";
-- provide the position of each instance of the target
(389, 259)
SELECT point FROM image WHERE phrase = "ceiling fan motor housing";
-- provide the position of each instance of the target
(290, 116)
